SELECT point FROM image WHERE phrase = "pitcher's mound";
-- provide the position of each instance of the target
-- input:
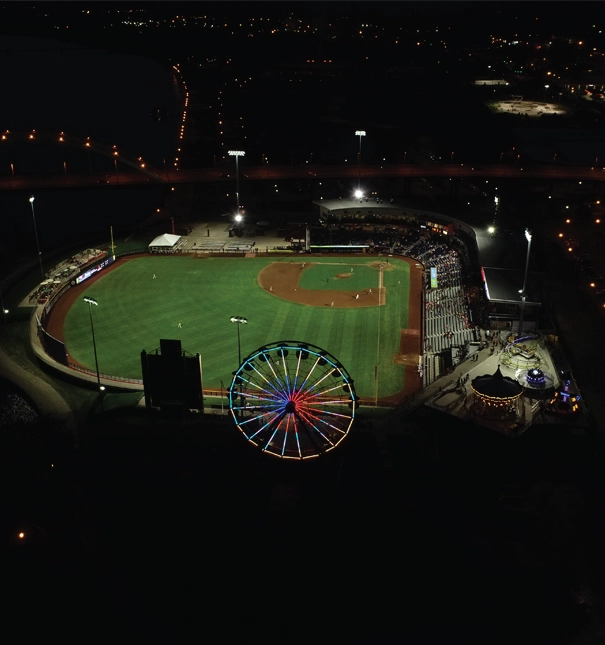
(342, 276)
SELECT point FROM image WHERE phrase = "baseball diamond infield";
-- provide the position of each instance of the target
(364, 310)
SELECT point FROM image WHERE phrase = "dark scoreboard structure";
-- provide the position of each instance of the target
(172, 378)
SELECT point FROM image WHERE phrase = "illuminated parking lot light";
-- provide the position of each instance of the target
(359, 133)
(237, 154)
(31, 201)
(90, 302)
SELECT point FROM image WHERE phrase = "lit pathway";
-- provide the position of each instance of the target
(49, 403)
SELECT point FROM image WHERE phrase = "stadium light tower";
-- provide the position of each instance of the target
(528, 237)
(240, 320)
(31, 201)
(359, 133)
(92, 301)
(237, 154)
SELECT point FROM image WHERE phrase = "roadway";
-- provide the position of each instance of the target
(275, 173)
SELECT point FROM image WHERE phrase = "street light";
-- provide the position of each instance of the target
(237, 154)
(240, 320)
(491, 230)
(31, 201)
(359, 133)
(92, 301)
(4, 309)
(528, 237)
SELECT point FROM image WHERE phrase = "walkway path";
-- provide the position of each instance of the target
(49, 403)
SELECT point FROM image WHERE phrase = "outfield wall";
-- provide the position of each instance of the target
(53, 352)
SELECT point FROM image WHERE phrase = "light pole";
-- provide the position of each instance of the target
(359, 133)
(237, 154)
(528, 237)
(92, 301)
(31, 201)
(4, 309)
(240, 320)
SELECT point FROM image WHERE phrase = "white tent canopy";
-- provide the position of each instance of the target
(166, 241)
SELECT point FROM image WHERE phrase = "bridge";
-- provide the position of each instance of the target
(142, 173)
(275, 173)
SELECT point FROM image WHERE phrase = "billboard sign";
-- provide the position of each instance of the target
(433, 277)
(93, 270)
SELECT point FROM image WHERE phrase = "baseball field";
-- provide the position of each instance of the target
(364, 310)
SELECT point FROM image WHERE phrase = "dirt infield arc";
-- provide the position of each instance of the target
(282, 279)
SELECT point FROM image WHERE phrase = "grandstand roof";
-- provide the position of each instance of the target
(351, 202)
(503, 285)
(505, 249)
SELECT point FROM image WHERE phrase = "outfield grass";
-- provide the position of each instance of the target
(135, 311)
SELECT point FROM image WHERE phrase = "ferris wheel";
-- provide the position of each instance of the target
(292, 400)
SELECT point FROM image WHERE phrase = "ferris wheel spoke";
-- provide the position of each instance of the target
(316, 384)
(256, 397)
(336, 387)
(277, 378)
(258, 387)
(285, 372)
(325, 402)
(271, 439)
(327, 412)
(269, 423)
(283, 448)
(308, 427)
(320, 420)
(257, 417)
(297, 439)
(267, 381)
(304, 383)
(297, 371)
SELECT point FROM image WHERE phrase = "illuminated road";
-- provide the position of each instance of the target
(274, 173)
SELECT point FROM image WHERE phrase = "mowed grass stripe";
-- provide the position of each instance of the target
(135, 311)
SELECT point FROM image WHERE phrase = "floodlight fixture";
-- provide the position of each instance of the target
(241, 321)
